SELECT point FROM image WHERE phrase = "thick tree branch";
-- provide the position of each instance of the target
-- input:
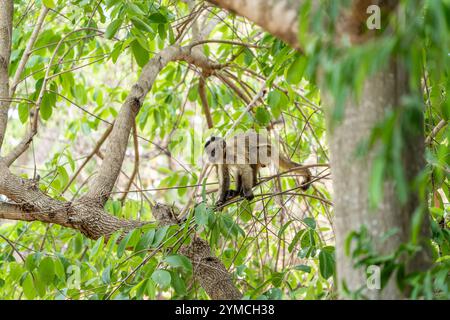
(208, 269)
(31, 204)
(6, 17)
(204, 100)
(279, 17)
(12, 211)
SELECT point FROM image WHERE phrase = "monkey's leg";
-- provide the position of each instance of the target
(248, 182)
(307, 180)
(239, 189)
(224, 183)
(234, 193)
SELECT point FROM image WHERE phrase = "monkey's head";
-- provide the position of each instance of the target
(215, 149)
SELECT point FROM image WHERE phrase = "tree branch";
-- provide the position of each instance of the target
(28, 49)
(31, 204)
(279, 17)
(204, 100)
(208, 269)
(6, 17)
(435, 131)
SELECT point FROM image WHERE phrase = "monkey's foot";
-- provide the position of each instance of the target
(249, 196)
(232, 193)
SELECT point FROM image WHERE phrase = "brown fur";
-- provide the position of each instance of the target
(242, 156)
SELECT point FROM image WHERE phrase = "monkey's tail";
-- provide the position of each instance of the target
(286, 163)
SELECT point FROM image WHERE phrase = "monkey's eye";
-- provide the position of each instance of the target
(213, 152)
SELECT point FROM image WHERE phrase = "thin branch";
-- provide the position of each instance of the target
(6, 18)
(204, 100)
(89, 157)
(435, 131)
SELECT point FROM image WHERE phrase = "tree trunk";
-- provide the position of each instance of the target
(351, 176)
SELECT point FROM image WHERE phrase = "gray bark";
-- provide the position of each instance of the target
(351, 176)
(6, 16)
(208, 269)
(279, 18)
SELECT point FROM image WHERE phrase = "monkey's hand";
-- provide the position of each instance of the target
(249, 196)
(232, 193)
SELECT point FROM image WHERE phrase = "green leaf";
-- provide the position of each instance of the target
(97, 246)
(162, 278)
(310, 222)
(296, 70)
(157, 18)
(145, 241)
(178, 284)
(273, 100)
(46, 270)
(106, 275)
(177, 261)
(150, 288)
(160, 235)
(277, 279)
(262, 116)
(201, 214)
(49, 4)
(28, 287)
(193, 93)
(303, 267)
(63, 176)
(326, 262)
(294, 242)
(60, 270)
(124, 244)
(141, 25)
(134, 9)
(46, 107)
(24, 112)
(112, 28)
(274, 294)
(139, 53)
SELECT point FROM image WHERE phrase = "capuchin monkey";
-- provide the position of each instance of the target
(242, 156)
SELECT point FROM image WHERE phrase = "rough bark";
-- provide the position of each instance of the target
(6, 16)
(208, 269)
(351, 176)
(31, 204)
(278, 17)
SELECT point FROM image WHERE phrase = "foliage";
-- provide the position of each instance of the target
(280, 245)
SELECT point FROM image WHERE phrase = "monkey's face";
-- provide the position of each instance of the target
(215, 149)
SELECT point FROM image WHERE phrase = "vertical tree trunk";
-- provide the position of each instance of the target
(351, 176)
(6, 15)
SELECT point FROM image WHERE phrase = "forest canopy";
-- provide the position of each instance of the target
(105, 108)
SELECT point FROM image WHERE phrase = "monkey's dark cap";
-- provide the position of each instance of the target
(211, 139)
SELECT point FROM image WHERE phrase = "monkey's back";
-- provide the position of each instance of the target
(249, 148)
